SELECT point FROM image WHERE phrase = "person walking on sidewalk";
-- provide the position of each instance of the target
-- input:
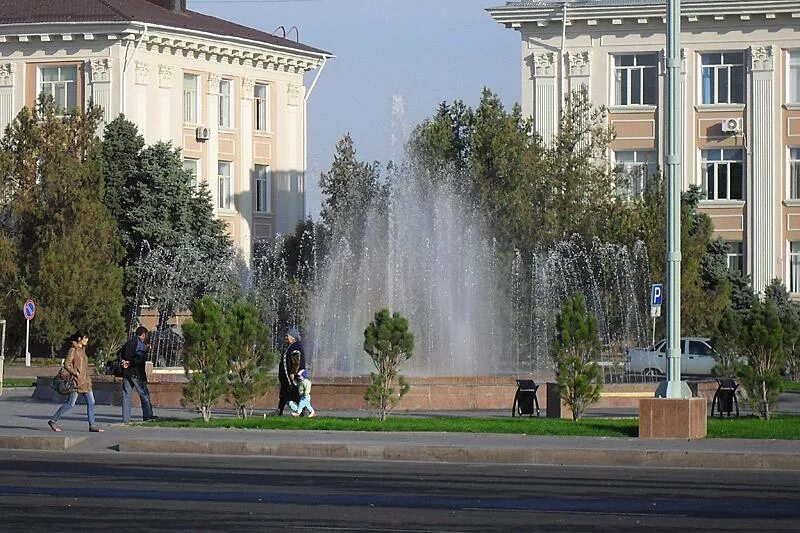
(292, 361)
(304, 391)
(77, 365)
(134, 376)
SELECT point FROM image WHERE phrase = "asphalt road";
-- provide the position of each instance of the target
(47, 491)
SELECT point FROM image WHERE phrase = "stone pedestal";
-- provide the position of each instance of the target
(672, 418)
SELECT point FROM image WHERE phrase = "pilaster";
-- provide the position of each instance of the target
(101, 87)
(245, 185)
(761, 188)
(212, 144)
(545, 95)
(579, 72)
(7, 74)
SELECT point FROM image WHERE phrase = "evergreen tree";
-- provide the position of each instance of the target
(250, 359)
(207, 341)
(351, 189)
(575, 351)
(55, 189)
(789, 314)
(388, 343)
(761, 341)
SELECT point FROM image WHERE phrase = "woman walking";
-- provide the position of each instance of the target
(77, 365)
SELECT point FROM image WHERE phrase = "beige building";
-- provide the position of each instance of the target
(231, 97)
(741, 96)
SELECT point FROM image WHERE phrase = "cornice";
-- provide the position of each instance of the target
(165, 41)
(517, 15)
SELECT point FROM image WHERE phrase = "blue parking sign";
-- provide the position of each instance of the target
(656, 294)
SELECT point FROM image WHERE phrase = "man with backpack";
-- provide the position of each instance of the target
(134, 357)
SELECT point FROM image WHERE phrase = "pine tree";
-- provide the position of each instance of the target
(250, 359)
(575, 351)
(762, 342)
(388, 343)
(207, 341)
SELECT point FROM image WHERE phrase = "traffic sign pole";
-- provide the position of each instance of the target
(28, 311)
(27, 337)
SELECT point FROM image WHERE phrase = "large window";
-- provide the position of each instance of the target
(225, 103)
(794, 173)
(262, 107)
(263, 189)
(735, 256)
(62, 84)
(225, 186)
(794, 266)
(638, 169)
(636, 79)
(723, 177)
(723, 78)
(192, 166)
(191, 84)
(793, 96)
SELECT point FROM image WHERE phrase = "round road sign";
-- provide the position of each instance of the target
(29, 309)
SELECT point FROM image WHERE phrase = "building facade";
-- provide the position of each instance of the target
(740, 85)
(231, 97)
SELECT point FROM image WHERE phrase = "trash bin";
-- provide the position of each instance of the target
(725, 397)
(525, 401)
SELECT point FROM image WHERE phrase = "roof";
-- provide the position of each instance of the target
(144, 11)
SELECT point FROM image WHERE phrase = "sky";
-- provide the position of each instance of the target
(418, 52)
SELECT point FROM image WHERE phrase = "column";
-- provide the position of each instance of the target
(140, 97)
(545, 97)
(212, 144)
(579, 70)
(101, 88)
(760, 186)
(245, 186)
(166, 129)
(6, 94)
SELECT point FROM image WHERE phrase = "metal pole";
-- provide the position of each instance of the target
(27, 337)
(674, 388)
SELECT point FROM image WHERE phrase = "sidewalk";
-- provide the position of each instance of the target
(23, 425)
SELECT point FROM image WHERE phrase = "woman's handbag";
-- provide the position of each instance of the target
(63, 382)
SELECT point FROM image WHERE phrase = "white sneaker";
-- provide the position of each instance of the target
(312, 414)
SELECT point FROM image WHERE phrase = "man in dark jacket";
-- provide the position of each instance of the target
(134, 376)
(292, 361)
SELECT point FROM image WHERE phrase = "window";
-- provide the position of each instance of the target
(638, 167)
(263, 189)
(794, 266)
(193, 166)
(61, 84)
(794, 77)
(636, 79)
(191, 84)
(225, 88)
(735, 256)
(224, 186)
(699, 348)
(262, 107)
(794, 173)
(723, 174)
(723, 78)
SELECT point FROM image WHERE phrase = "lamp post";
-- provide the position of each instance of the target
(674, 387)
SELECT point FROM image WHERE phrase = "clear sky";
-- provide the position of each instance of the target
(422, 51)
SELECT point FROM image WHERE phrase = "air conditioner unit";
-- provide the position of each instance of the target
(732, 125)
(202, 133)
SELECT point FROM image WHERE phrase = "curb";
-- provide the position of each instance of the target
(465, 454)
(54, 443)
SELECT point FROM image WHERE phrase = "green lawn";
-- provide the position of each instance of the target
(791, 386)
(782, 427)
(19, 382)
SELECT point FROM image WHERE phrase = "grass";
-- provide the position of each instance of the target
(746, 427)
(19, 382)
(791, 386)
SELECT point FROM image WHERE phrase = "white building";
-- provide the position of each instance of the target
(741, 96)
(231, 97)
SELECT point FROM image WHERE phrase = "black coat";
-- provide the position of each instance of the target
(137, 359)
(293, 359)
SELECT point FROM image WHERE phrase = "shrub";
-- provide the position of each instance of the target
(574, 352)
(762, 342)
(250, 359)
(388, 343)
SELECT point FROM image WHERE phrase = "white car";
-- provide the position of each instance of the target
(697, 358)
